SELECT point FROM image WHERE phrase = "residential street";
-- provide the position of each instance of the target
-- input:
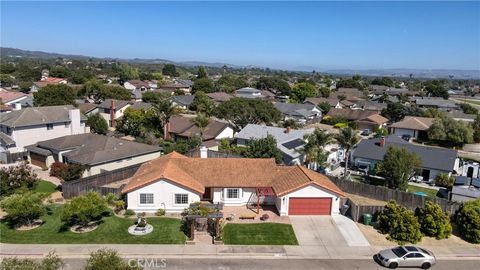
(276, 263)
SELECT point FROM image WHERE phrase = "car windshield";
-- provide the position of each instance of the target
(425, 251)
(399, 251)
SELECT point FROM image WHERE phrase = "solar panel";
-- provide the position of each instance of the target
(294, 144)
(476, 182)
(461, 180)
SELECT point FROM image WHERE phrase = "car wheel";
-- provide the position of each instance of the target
(393, 265)
(426, 265)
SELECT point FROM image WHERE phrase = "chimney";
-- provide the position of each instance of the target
(112, 113)
(203, 152)
(288, 129)
(382, 141)
(166, 131)
(75, 127)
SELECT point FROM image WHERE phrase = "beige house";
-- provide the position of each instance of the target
(411, 126)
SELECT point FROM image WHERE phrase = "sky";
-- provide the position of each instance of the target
(290, 35)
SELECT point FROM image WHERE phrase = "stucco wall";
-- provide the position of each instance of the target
(400, 132)
(306, 192)
(163, 197)
(226, 133)
(120, 164)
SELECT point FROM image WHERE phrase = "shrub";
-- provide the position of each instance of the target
(57, 169)
(433, 221)
(24, 208)
(119, 205)
(111, 198)
(160, 212)
(129, 213)
(50, 262)
(18, 177)
(66, 172)
(83, 209)
(443, 180)
(197, 208)
(340, 125)
(468, 221)
(399, 223)
(107, 259)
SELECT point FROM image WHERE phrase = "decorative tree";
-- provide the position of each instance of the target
(399, 223)
(23, 208)
(433, 221)
(83, 209)
(468, 221)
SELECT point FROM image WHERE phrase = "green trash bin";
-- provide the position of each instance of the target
(367, 219)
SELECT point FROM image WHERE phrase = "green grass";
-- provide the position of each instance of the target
(113, 230)
(45, 187)
(429, 191)
(259, 234)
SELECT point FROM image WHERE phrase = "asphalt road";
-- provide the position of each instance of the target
(280, 263)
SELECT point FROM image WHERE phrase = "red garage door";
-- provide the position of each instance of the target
(309, 206)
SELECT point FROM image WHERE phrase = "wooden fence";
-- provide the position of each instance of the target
(95, 182)
(356, 211)
(409, 200)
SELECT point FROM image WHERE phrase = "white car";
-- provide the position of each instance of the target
(409, 256)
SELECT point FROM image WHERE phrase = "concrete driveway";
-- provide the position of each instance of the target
(317, 231)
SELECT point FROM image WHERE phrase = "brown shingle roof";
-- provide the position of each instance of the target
(198, 173)
(184, 127)
(414, 123)
(350, 114)
(219, 96)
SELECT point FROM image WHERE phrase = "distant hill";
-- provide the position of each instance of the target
(400, 72)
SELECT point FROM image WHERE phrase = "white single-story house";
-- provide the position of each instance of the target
(412, 126)
(172, 182)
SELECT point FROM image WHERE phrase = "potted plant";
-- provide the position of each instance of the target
(264, 217)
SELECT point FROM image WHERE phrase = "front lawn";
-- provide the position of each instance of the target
(113, 230)
(429, 191)
(45, 187)
(259, 234)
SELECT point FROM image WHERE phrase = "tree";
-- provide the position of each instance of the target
(314, 147)
(243, 111)
(201, 122)
(50, 262)
(115, 92)
(433, 221)
(476, 129)
(203, 84)
(398, 166)
(468, 221)
(291, 123)
(347, 139)
(449, 131)
(467, 108)
(163, 110)
(444, 180)
(436, 88)
(153, 97)
(324, 92)
(6, 80)
(14, 178)
(66, 172)
(127, 72)
(108, 259)
(230, 83)
(386, 81)
(132, 122)
(301, 91)
(59, 72)
(97, 124)
(170, 70)
(55, 94)
(325, 107)
(433, 113)
(263, 148)
(182, 146)
(399, 223)
(202, 72)
(274, 84)
(394, 111)
(83, 209)
(202, 104)
(23, 208)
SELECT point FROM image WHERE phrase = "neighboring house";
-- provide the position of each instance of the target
(98, 153)
(377, 89)
(30, 125)
(248, 92)
(439, 103)
(350, 94)
(46, 81)
(172, 182)
(88, 108)
(268, 95)
(12, 99)
(183, 127)
(333, 102)
(141, 106)
(219, 97)
(182, 101)
(137, 85)
(368, 105)
(461, 116)
(302, 113)
(111, 110)
(412, 126)
(187, 88)
(465, 189)
(364, 119)
(435, 160)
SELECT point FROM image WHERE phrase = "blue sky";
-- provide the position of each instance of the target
(437, 35)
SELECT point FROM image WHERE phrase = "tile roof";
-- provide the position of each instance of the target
(37, 116)
(349, 114)
(107, 103)
(92, 149)
(8, 96)
(184, 127)
(219, 96)
(139, 83)
(432, 157)
(414, 123)
(198, 173)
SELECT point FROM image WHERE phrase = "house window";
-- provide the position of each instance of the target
(106, 110)
(49, 126)
(181, 198)
(233, 193)
(146, 198)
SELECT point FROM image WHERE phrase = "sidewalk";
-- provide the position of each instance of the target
(225, 251)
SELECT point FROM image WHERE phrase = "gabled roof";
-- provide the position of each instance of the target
(8, 96)
(316, 100)
(414, 123)
(219, 96)
(432, 157)
(184, 127)
(139, 83)
(37, 116)
(295, 109)
(87, 107)
(118, 104)
(141, 105)
(349, 114)
(184, 100)
(198, 173)
(436, 102)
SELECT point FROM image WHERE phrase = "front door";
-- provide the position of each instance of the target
(426, 175)
(470, 172)
(207, 195)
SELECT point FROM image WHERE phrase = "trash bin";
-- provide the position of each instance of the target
(367, 219)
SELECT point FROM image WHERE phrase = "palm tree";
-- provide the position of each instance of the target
(347, 139)
(314, 147)
(201, 122)
(164, 110)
